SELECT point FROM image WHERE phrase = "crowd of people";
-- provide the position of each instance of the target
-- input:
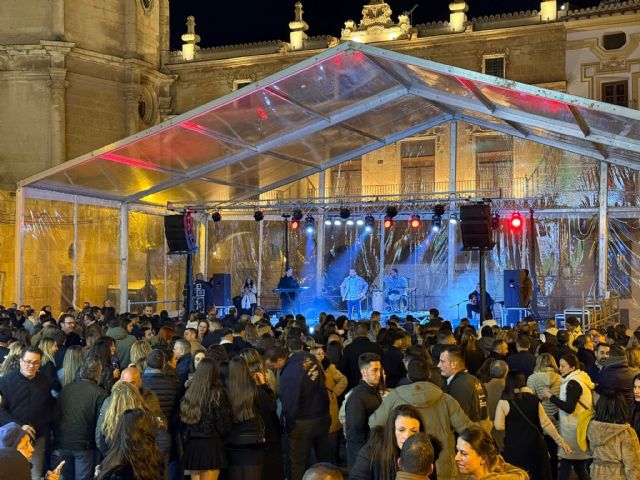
(142, 396)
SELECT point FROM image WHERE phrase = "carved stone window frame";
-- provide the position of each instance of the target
(492, 55)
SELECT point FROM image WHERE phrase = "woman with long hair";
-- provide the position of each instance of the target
(12, 360)
(124, 396)
(478, 457)
(205, 418)
(378, 459)
(73, 359)
(613, 442)
(105, 351)
(138, 354)
(249, 297)
(635, 407)
(520, 414)
(473, 355)
(163, 339)
(49, 348)
(575, 397)
(247, 440)
(133, 454)
(545, 376)
(266, 407)
(203, 328)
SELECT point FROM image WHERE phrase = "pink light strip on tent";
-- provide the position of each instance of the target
(112, 157)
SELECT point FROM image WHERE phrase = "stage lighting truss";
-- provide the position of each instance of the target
(391, 211)
(309, 224)
(216, 216)
(258, 216)
(415, 221)
(345, 212)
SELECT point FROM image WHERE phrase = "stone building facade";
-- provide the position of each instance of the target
(76, 75)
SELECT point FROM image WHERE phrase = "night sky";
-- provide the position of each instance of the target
(224, 22)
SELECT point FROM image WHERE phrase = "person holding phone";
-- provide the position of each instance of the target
(15, 463)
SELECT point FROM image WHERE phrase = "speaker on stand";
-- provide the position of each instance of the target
(181, 239)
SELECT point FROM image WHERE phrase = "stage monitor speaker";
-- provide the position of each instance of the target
(513, 280)
(475, 226)
(180, 234)
(221, 289)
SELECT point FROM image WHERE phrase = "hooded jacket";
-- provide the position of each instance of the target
(441, 414)
(618, 376)
(540, 381)
(123, 344)
(616, 451)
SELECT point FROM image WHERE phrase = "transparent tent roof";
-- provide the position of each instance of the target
(338, 105)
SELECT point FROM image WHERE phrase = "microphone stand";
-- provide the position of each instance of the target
(458, 305)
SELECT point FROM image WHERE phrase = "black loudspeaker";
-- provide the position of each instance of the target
(475, 226)
(180, 234)
(513, 280)
(221, 289)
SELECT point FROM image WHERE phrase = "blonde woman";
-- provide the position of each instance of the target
(124, 396)
(73, 359)
(12, 360)
(138, 354)
(49, 348)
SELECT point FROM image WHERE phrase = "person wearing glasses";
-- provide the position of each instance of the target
(27, 401)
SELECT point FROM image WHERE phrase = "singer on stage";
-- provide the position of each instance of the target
(353, 289)
(288, 298)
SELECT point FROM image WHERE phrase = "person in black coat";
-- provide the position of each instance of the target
(182, 353)
(165, 386)
(27, 401)
(522, 361)
(617, 375)
(75, 423)
(363, 400)
(392, 361)
(351, 353)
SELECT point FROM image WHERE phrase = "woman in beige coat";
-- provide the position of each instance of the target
(336, 384)
(613, 442)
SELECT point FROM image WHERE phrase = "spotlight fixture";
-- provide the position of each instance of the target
(350, 222)
(360, 222)
(337, 222)
(495, 221)
(436, 223)
(328, 222)
(216, 216)
(388, 222)
(309, 224)
(258, 216)
(438, 210)
(295, 224)
(516, 221)
(297, 214)
(345, 213)
(415, 221)
(391, 211)
(369, 223)
(453, 218)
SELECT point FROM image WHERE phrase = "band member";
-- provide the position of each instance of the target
(353, 289)
(474, 302)
(395, 290)
(249, 297)
(288, 298)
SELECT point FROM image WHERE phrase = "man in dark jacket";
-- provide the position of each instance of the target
(165, 386)
(392, 362)
(464, 387)
(305, 410)
(27, 401)
(74, 429)
(522, 361)
(617, 375)
(363, 400)
(182, 354)
(349, 361)
(602, 355)
(563, 339)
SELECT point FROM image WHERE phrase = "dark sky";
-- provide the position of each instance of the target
(229, 22)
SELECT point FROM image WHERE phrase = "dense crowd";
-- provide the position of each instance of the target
(95, 394)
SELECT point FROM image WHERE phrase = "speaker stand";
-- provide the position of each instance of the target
(188, 289)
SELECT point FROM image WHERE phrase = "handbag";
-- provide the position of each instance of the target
(584, 418)
(249, 432)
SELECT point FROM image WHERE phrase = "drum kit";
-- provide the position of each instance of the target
(396, 301)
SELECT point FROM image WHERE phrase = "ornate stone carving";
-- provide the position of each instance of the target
(613, 64)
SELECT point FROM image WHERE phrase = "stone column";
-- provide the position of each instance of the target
(58, 85)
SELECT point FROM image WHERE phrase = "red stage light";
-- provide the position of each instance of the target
(388, 222)
(295, 224)
(415, 221)
(262, 114)
(516, 221)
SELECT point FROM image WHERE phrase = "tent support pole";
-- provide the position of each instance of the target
(19, 245)
(124, 258)
(451, 240)
(603, 231)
